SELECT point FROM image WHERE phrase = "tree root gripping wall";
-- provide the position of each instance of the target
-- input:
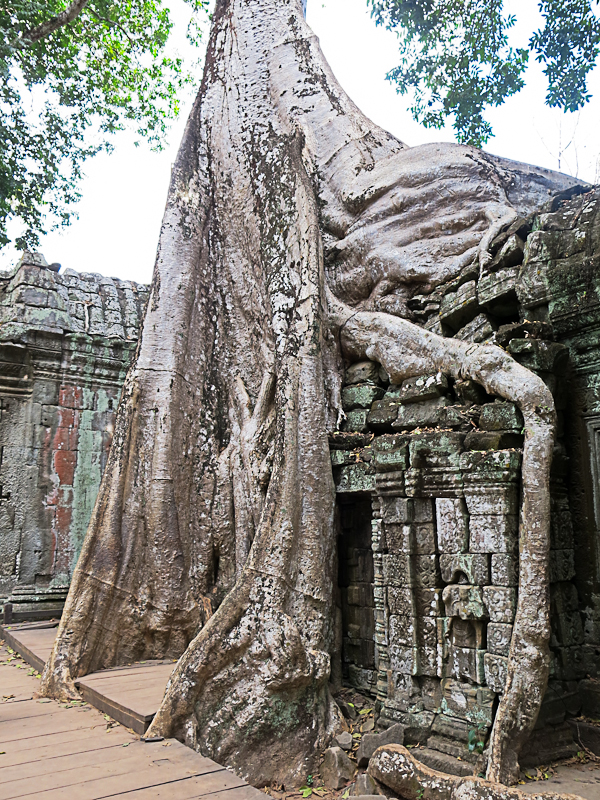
(441, 462)
(427, 475)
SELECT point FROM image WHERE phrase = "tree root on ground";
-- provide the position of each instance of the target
(394, 766)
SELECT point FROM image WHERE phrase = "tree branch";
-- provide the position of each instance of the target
(54, 23)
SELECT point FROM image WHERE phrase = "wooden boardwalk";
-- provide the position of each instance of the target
(53, 751)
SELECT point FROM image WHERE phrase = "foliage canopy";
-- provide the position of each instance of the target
(73, 74)
(456, 59)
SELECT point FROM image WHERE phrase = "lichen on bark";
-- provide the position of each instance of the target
(293, 229)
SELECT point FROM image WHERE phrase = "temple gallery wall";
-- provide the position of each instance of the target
(427, 476)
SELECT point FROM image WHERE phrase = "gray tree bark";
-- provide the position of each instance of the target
(293, 230)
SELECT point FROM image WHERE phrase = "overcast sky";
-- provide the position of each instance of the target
(124, 193)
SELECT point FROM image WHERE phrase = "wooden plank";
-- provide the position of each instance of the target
(151, 676)
(132, 697)
(125, 716)
(53, 723)
(138, 668)
(30, 709)
(142, 767)
(85, 758)
(34, 652)
(62, 744)
(191, 788)
(187, 761)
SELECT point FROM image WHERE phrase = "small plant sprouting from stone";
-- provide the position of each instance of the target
(476, 743)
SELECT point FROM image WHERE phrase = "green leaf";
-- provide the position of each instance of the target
(65, 96)
(455, 60)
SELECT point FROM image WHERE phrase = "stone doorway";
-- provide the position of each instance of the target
(355, 580)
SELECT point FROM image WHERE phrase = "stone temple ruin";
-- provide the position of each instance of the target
(66, 341)
(427, 477)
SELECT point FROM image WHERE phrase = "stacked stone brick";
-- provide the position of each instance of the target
(66, 341)
(440, 462)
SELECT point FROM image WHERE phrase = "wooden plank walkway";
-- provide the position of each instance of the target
(130, 695)
(50, 750)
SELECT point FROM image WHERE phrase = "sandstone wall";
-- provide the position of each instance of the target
(439, 463)
(66, 341)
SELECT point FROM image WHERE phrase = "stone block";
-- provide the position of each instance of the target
(505, 569)
(360, 595)
(426, 570)
(561, 530)
(496, 668)
(390, 453)
(359, 652)
(567, 629)
(396, 510)
(493, 533)
(365, 787)
(562, 565)
(403, 631)
(45, 392)
(459, 307)
(423, 538)
(501, 603)
(336, 768)
(467, 702)
(466, 602)
(564, 600)
(371, 741)
(589, 692)
(422, 388)
(401, 601)
(399, 539)
(483, 500)
(440, 449)
(570, 663)
(478, 330)
(494, 440)
(356, 421)
(501, 417)
(428, 602)
(422, 509)
(420, 415)
(489, 469)
(539, 355)
(404, 659)
(452, 529)
(360, 396)
(354, 478)
(497, 291)
(398, 570)
(383, 412)
(362, 372)
(64, 462)
(466, 665)
(474, 567)
(341, 458)
(510, 254)
(499, 636)
(467, 633)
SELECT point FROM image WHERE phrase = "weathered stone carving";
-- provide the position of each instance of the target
(467, 584)
(66, 341)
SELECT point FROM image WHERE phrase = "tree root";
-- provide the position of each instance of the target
(405, 350)
(394, 766)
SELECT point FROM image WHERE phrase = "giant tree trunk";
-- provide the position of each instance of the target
(293, 227)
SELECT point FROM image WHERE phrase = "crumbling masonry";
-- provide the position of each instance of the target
(427, 474)
(66, 341)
